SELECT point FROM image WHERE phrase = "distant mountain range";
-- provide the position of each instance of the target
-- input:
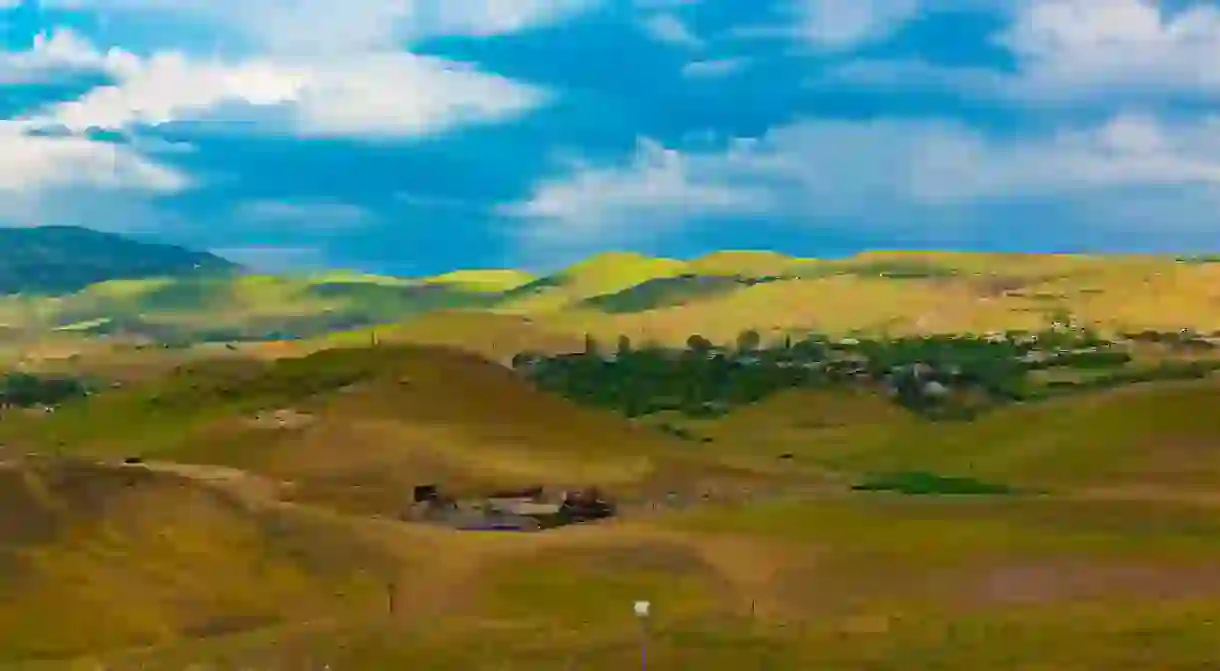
(78, 281)
(50, 260)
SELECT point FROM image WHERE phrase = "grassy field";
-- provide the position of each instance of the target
(658, 299)
(358, 427)
(262, 531)
(862, 583)
(257, 540)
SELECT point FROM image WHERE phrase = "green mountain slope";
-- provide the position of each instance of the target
(253, 306)
(157, 292)
(61, 259)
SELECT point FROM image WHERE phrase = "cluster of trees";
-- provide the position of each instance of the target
(704, 379)
(649, 380)
(25, 390)
(939, 376)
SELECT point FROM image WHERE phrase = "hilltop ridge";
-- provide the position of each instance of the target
(62, 259)
(643, 297)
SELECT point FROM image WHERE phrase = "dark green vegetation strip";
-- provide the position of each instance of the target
(924, 483)
(937, 377)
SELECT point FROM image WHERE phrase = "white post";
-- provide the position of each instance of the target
(642, 609)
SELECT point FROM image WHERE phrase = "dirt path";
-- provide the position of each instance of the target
(247, 486)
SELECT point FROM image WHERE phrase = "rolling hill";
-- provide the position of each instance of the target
(159, 295)
(165, 557)
(51, 260)
(259, 532)
(358, 427)
(260, 528)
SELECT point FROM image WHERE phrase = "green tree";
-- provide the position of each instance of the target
(748, 341)
(624, 346)
(698, 344)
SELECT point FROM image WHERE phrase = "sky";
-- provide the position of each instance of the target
(413, 137)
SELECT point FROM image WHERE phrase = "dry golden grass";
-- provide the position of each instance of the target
(98, 557)
(747, 263)
(848, 584)
(601, 274)
(496, 337)
(391, 417)
(1116, 569)
(1091, 578)
(986, 292)
(834, 305)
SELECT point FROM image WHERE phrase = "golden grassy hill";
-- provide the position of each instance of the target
(838, 583)
(752, 263)
(659, 299)
(601, 274)
(1103, 573)
(1151, 437)
(493, 336)
(722, 294)
(101, 557)
(900, 293)
(358, 427)
(482, 281)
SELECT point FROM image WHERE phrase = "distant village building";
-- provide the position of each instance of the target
(935, 389)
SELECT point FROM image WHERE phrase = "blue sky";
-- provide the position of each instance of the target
(417, 136)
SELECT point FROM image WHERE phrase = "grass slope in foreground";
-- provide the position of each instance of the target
(856, 583)
(854, 580)
(98, 557)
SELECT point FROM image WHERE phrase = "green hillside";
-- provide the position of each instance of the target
(618, 293)
(251, 306)
(51, 260)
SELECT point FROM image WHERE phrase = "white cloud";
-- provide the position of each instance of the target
(894, 175)
(493, 17)
(48, 57)
(29, 162)
(318, 70)
(670, 29)
(1068, 51)
(841, 25)
(657, 187)
(838, 24)
(718, 67)
(399, 94)
(74, 180)
(364, 94)
(1072, 47)
(1125, 152)
(336, 71)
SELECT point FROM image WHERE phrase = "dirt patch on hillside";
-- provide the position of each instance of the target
(1150, 494)
(282, 418)
(1059, 581)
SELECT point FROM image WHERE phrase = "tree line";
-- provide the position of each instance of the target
(945, 376)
